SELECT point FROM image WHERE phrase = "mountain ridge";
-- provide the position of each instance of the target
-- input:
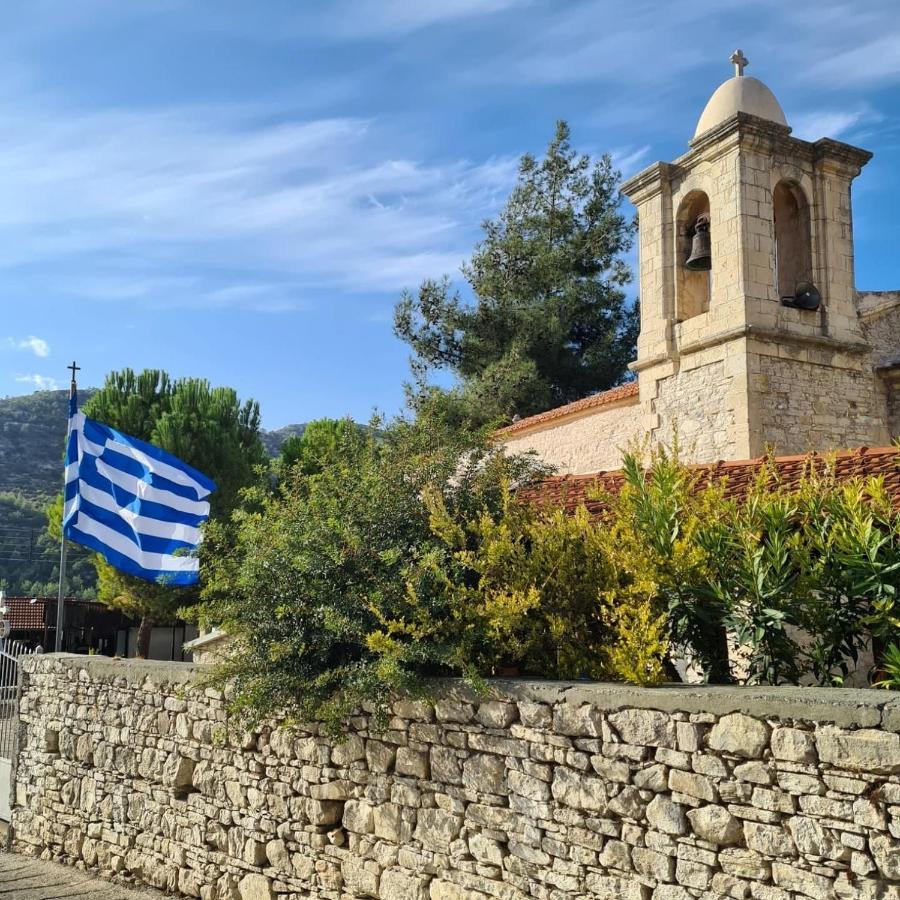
(32, 436)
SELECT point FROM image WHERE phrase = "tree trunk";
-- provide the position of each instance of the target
(143, 637)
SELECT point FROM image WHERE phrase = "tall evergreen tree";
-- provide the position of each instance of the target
(209, 428)
(550, 322)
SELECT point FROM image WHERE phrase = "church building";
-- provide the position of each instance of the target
(753, 334)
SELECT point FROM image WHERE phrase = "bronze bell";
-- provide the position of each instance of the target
(700, 259)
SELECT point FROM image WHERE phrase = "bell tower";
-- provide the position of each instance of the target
(750, 335)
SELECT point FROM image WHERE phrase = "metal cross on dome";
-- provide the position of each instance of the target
(740, 62)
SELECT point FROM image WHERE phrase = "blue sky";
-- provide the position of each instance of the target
(241, 190)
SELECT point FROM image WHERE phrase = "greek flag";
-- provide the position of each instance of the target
(138, 506)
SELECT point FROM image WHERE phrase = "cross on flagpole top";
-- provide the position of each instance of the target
(73, 386)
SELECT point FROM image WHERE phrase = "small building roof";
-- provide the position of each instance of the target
(586, 404)
(571, 491)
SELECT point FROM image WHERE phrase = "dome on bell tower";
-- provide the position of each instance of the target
(740, 94)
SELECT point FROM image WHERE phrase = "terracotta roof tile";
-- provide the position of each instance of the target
(24, 615)
(595, 401)
(570, 491)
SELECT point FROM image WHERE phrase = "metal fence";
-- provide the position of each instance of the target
(10, 653)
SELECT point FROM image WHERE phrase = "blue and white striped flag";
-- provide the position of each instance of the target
(138, 506)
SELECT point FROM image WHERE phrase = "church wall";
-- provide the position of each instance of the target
(806, 398)
(701, 402)
(880, 318)
(589, 443)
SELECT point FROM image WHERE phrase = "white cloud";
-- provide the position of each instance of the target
(361, 17)
(40, 382)
(38, 346)
(829, 123)
(211, 206)
(628, 160)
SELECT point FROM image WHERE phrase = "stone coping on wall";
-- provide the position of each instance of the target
(846, 707)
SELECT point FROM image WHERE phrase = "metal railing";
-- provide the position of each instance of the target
(10, 654)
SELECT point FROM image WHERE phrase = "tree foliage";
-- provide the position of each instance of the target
(208, 428)
(413, 554)
(331, 584)
(322, 440)
(550, 322)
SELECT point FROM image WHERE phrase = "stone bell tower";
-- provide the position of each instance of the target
(757, 342)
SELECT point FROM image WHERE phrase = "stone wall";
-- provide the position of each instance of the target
(699, 404)
(804, 401)
(591, 442)
(540, 790)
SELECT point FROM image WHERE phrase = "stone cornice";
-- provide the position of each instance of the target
(752, 331)
(837, 156)
(646, 184)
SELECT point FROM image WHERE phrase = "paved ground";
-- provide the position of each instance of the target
(23, 878)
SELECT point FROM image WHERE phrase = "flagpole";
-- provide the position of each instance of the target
(61, 596)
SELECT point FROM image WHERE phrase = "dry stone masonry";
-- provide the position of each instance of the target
(537, 790)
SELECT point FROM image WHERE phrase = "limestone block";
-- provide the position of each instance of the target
(626, 804)
(770, 840)
(278, 856)
(446, 765)
(379, 756)
(486, 850)
(436, 829)
(535, 715)
(794, 745)
(865, 750)
(692, 785)
(401, 884)
(255, 887)
(653, 864)
(644, 727)
(580, 721)
(744, 864)
(666, 816)
(792, 878)
(578, 791)
(361, 876)
(324, 812)
(411, 762)
(497, 714)
(485, 773)
(886, 853)
(454, 711)
(447, 890)
(716, 825)
(614, 887)
(347, 751)
(739, 734)
(528, 786)
(358, 817)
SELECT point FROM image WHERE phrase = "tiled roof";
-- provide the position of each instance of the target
(24, 615)
(570, 491)
(595, 401)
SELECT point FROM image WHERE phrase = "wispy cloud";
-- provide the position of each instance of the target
(38, 346)
(39, 382)
(209, 206)
(830, 123)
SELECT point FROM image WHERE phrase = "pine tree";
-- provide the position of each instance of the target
(550, 322)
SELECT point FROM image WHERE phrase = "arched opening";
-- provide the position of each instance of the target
(692, 288)
(793, 244)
